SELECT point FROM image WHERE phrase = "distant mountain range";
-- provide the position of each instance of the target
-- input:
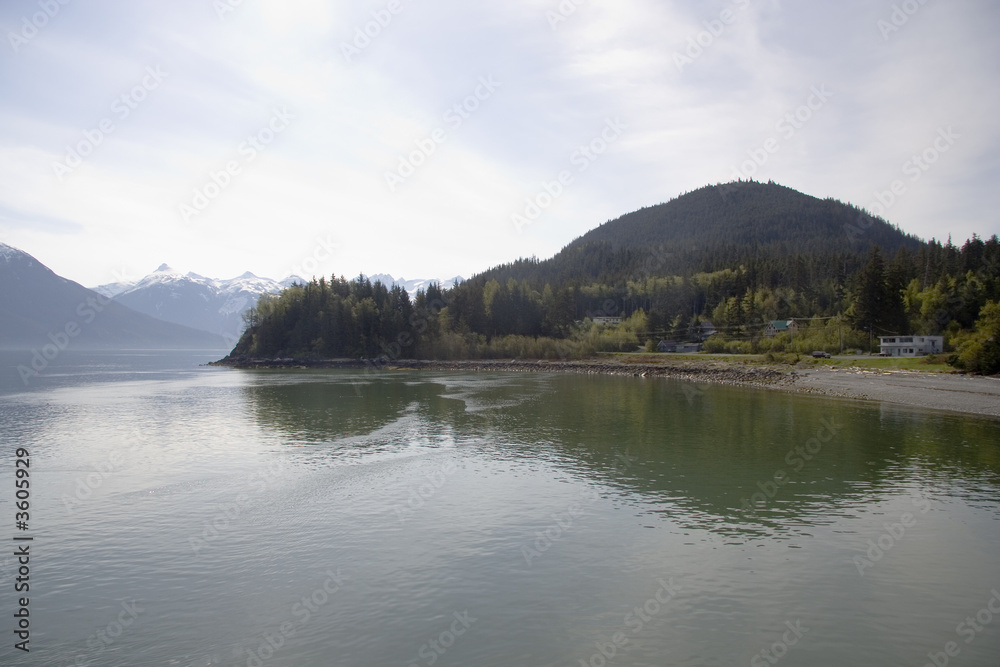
(413, 286)
(211, 304)
(165, 309)
(195, 301)
(39, 309)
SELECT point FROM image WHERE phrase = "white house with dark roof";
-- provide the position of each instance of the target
(911, 346)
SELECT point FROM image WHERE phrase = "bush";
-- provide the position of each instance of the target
(789, 358)
(979, 352)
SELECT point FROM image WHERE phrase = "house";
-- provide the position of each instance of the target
(607, 321)
(706, 329)
(667, 346)
(775, 327)
(911, 346)
(674, 346)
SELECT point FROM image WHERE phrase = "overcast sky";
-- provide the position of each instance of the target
(225, 136)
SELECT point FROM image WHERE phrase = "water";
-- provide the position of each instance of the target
(189, 515)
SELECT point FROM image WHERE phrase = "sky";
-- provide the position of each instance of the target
(428, 140)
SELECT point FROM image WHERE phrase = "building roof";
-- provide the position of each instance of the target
(781, 325)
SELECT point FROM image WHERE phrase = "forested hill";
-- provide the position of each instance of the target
(761, 215)
(718, 227)
(740, 255)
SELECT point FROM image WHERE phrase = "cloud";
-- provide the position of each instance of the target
(561, 81)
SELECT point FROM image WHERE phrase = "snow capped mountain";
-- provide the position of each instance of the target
(194, 300)
(7, 253)
(37, 306)
(212, 304)
(413, 286)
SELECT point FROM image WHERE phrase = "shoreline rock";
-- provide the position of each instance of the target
(719, 373)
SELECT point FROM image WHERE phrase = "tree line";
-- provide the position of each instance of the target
(738, 255)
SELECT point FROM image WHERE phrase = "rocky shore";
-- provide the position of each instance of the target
(709, 371)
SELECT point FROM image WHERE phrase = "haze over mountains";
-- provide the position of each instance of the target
(195, 301)
(39, 308)
(212, 304)
(163, 310)
(716, 246)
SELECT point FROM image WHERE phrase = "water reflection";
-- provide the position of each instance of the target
(733, 458)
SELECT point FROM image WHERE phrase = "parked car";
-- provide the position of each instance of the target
(820, 354)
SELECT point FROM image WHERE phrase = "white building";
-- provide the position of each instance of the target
(911, 346)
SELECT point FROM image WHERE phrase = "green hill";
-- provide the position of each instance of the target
(740, 255)
(716, 227)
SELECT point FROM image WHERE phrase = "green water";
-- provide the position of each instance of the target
(417, 518)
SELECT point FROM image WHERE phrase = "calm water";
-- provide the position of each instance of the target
(187, 515)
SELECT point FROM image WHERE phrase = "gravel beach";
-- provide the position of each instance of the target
(939, 391)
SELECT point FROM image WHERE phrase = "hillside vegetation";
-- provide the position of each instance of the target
(738, 255)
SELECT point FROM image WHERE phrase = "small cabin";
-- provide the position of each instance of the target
(775, 327)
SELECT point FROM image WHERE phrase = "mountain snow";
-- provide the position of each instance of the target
(8, 253)
(413, 286)
(212, 304)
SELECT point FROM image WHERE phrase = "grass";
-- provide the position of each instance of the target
(928, 364)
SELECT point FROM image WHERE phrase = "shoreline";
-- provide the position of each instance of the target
(963, 394)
